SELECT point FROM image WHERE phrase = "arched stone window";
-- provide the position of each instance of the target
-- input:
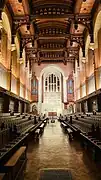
(52, 83)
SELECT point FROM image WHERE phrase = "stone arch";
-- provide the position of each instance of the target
(45, 72)
(97, 27)
(99, 47)
(87, 44)
(7, 47)
(17, 45)
(6, 24)
(52, 67)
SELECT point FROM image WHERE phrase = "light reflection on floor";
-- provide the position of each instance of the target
(55, 151)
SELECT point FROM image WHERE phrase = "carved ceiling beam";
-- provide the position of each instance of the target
(30, 50)
(68, 17)
(28, 19)
(51, 59)
(73, 50)
(70, 59)
(33, 60)
(51, 10)
(59, 37)
(30, 53)
(52, 37)
(80, 40)
(86, 21)
(51, 50)
(27, 39)
(21, 20)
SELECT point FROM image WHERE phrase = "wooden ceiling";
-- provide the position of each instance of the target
(51, 30)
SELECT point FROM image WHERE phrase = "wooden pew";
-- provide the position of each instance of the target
(7, 152)
(41, 127)
(2, 176)
(76, 132)
(92, 145)
(15, 165)
(37, 134)
(70, 133)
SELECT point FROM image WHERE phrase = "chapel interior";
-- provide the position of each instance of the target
(50, 89)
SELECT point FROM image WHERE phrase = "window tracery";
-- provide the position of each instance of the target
(52, 83)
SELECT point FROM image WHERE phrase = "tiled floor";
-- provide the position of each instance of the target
(55, 151)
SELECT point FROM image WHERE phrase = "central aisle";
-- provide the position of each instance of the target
(55, 151)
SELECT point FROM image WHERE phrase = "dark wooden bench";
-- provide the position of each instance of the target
(70, 133)
(2, 176)
(37, 134)
(76, 132)
(15, 165)
(63, 125)
(9, 149)
(41, 127)
(92, 144)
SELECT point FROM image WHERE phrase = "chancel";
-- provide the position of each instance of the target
(50, 89)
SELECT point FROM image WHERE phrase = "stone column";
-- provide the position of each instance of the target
(0, 44)
(9, 79)
(95, 65)
(80, 91)
(24, 90)
(86, 78)
(86, 82)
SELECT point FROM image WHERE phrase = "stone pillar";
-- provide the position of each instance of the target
(96, 76)
(18, 77)
(86, 78)
(9, 75)
(86, 83)
(95, 66)
(24, 88)
(80, 90)
(18, 86)
(0, 45)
